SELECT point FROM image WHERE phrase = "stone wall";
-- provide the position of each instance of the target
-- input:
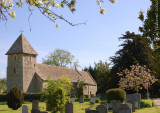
(29, 62)
(89, 90)
(15, 71)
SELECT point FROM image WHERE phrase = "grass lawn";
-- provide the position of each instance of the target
(78, 107)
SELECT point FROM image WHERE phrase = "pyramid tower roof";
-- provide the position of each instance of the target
(21, 45)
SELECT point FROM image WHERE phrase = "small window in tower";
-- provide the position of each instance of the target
(14, 71)
(30, 59)
(15, 58)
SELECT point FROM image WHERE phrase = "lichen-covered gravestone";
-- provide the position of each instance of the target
(24, 109)
(102, 109)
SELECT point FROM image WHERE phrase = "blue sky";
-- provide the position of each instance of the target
(98, 40)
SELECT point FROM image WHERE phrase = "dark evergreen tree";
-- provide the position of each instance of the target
(135, 49)
(14, 98)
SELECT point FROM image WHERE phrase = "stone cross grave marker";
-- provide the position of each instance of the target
(102, 109)
(24, 109)
(68, 107)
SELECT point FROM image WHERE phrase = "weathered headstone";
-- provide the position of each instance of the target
(68, 108)
(136, 105)
(35, 108)
(92, 101)
(136, 97)
(87, 109)
(72, 100)
(81, 99)
(35, 105)
(115, 105)
(102, 109)
(125, 108)
(92, 111)
(133, 104)
(104, 103)
(24, 109)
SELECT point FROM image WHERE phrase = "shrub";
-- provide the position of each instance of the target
(98, 100)
(56, 94)
(14, 98)
(115, 94)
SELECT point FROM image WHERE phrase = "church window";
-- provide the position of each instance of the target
(15, 58)
(14, 70)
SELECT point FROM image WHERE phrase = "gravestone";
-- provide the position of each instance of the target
(72, 100)
(133, 104)
(125, 108)
(35, 108)
(24, 109)
(104, 103)
(115, 105)
(102, 109)
(35, 105)
(81, 99)
(92, 111)
(87, 109)
(92, 101)
(68, 107)
(136, 97)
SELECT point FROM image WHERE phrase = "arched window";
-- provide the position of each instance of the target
(15, 58)
(14, 70)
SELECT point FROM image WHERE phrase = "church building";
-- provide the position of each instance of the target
(24, 72)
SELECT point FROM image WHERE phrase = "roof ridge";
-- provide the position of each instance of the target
(58, 66)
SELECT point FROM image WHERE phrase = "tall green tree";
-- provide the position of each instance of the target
(135, 49)
(62, 58)
(151, 28)
(3, 83)
(100, 73)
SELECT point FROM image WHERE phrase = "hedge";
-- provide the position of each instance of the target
(115, 94)
(27, 97)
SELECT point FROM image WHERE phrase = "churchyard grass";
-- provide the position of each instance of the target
(78, 107)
